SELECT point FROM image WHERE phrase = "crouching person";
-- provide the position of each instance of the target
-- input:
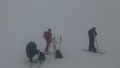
(41, 57)
(31, 50)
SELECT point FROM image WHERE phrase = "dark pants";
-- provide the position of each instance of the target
(91, 44)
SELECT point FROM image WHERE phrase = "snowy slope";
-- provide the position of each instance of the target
(22, 21)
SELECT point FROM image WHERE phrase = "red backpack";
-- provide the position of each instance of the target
(45, 34)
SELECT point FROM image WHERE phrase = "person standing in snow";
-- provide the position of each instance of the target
(92, 34)
(48, 37)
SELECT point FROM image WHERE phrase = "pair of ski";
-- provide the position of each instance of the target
(36, 64)
(55, 42)
(93, 52)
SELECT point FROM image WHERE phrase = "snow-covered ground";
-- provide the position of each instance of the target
(22, 21)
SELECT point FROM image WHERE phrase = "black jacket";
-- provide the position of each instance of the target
(92, 33)
(31, 49)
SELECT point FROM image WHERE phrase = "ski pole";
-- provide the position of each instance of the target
(49, 51)
(97, 44)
